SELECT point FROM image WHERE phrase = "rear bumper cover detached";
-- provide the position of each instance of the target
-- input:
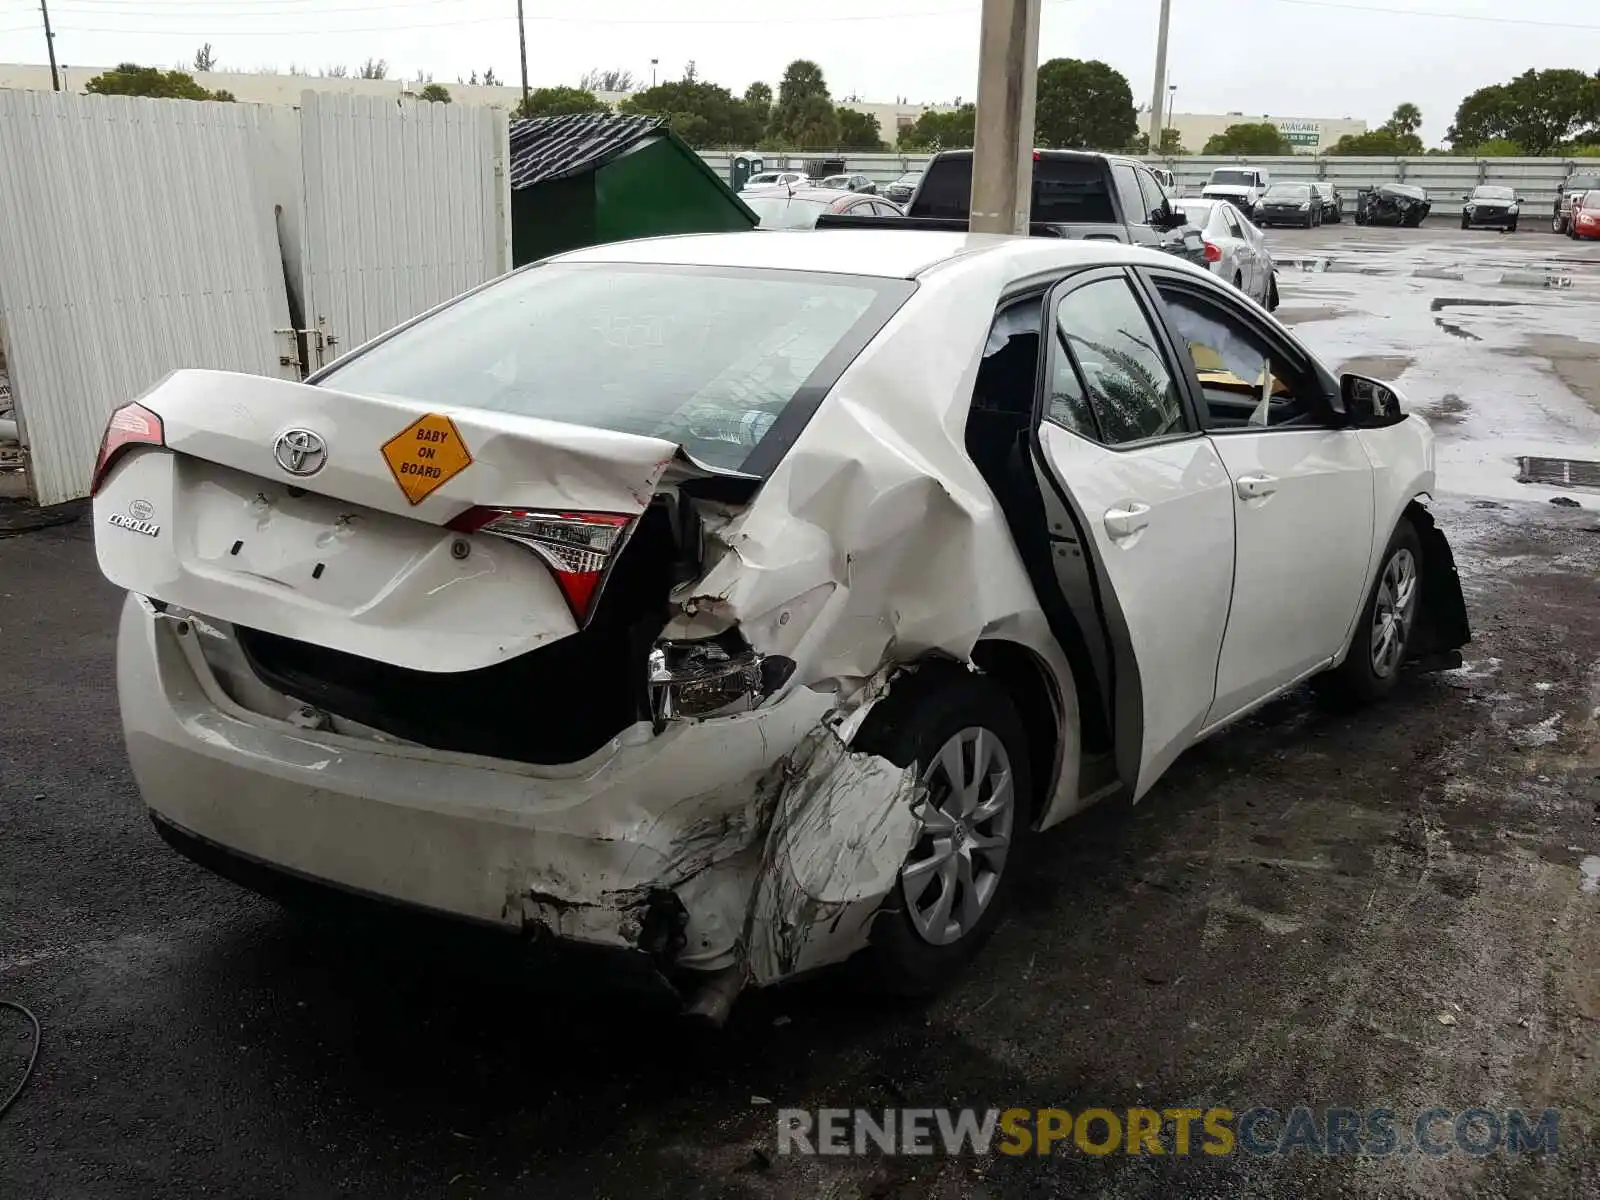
(771, 842)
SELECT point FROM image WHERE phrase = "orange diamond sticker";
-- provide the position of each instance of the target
(426, 455)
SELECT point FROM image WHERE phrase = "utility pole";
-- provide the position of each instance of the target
(1161, 77)
(522, 44)
(1002, 145)
(50, 45)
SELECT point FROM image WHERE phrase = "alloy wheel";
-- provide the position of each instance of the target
(951, 874)
(1393, 612)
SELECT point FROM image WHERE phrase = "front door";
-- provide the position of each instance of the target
(1133, 483)
(1302, 494)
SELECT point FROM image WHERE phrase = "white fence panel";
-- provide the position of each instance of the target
(406, 205)
(136, 237)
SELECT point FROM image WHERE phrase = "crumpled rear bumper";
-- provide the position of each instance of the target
(771, 842)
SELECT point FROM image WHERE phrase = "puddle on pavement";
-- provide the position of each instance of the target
(1449, 410)
(1440, 303)
(1589, 874)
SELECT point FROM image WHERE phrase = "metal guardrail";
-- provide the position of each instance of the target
(1446, 178)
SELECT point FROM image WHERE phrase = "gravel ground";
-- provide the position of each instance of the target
(1283, 920)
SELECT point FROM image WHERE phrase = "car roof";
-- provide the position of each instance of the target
(822, 195)
(885, 253)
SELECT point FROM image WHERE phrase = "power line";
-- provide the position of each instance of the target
(1444, 16)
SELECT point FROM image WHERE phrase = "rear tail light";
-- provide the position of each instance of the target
(578, 547)
(1212, 253)
(131, 425)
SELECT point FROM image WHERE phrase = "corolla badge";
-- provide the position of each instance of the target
(301, 452)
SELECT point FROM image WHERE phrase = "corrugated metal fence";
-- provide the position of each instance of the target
(404, 208)
(138, 236)
(1447, 179)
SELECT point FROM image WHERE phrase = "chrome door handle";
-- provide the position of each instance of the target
(1254, 487)
(1125, 520)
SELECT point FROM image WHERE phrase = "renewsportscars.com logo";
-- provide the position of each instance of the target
(1263, 1132)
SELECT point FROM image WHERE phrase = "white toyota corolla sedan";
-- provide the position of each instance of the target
(745, 603)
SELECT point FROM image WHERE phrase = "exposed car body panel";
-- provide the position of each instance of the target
(1392, 204)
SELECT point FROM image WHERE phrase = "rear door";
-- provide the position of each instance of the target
(1302, 492)
(1124, 469)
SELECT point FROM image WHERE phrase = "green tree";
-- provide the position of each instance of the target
(1252, 139)
(1539, 110)
(702, 114)
(804, 116)
(858, 130)
(614, 79)
(1171, 143)
(130, 79)
(375, 68)
(931, 130)
(1084, 104)
(1381, 141)
(435, 93)
(204, 59)
(558, 102)
(1405, 121)
(758, 99)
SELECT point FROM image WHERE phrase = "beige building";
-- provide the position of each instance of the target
(1308, 135)
(253, 88)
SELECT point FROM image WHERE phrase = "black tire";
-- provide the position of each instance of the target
(1466, 224)
(1238, 281)
(910, 726)
(1511, 228)
(1272, 293)
(1360, 219)
(1354, 682)
(1557, 225)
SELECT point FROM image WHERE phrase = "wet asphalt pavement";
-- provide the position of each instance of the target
(1311, 909)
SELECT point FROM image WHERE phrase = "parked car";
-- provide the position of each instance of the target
(771, 179)
(1289, 204)
(901, 190)
(799, 208)
(1332, 201)
(1491, 204)
(1076, 194)
(1573, 185)
(851, 183)
(1392, 204)
(1583, 220)
(1242, 187)
(1235, 249)
(639, 599)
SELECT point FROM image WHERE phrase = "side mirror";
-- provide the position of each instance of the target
(1467, 196)
(1369, 403)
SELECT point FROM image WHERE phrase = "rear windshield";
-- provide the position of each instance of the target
(786, 212)
(1065, 191)
(1579, 183)
(1234, 178)
(708, 358)
(1288, 191)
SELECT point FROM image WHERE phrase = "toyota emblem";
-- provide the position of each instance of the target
(301, 452)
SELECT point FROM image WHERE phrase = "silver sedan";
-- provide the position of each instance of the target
(1236, 250)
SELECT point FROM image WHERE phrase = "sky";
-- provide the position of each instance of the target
(1290, 58)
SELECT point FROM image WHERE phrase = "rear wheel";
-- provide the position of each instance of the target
(971, 755)
(1556, 225)
(1378, 650)
(1238, 281)
(1272, 293)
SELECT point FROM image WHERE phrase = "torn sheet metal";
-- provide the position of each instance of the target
(843, 826)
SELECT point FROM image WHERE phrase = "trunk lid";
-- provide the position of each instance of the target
(324, 517)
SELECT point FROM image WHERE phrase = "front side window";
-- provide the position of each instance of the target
(1155, 200)
(1131, 394)
(1128, 193)
(708, 359)
(1246, 383)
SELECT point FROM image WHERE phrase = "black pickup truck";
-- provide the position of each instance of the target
(1076, 194)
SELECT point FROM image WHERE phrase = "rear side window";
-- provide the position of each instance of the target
(1065, 191)
(707, 358)
(1130, 392)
